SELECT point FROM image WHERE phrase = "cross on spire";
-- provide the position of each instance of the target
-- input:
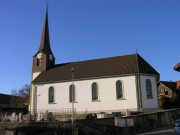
(47, 5)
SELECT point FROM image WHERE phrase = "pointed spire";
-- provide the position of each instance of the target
(45, 41)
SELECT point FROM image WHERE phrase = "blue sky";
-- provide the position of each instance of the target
(88, 29)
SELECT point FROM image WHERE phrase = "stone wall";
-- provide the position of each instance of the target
(5, 126)
(142, 123)
(34, 128)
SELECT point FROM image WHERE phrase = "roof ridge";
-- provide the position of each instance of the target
(97, 59)
(96, 68)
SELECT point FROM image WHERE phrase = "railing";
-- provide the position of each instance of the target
(59, 111)
(64, 114)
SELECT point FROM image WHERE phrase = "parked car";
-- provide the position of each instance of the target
(177, 126)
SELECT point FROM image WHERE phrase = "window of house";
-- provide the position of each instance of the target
(71, 93)
(166, 92)
(148, 88)
(94, 88)
(119, 89)
(51, 94)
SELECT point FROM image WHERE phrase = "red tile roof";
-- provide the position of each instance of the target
(114, 66)
(177, 84)
(177, 67)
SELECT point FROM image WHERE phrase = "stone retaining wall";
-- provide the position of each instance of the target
(143, 122)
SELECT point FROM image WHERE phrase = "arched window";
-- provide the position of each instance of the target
(148, 88)
(71, 93)
(51, 94)
(94, 88)
(119, 89)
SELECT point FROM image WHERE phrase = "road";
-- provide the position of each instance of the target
(163, 131)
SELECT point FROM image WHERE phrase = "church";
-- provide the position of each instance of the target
(114, 84)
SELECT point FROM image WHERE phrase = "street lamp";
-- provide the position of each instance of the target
(73, 99)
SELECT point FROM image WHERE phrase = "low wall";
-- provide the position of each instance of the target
(4, 126)
(34, 128)
(143, 122)
(151, 121)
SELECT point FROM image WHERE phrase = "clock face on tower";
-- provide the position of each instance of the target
(39, 56)
(50, 56)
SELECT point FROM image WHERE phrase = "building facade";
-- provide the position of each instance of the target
(5, 101)
(113, 84)
(167, 89)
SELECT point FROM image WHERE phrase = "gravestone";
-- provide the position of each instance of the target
(10, 132)
(20, 117)
(13, 116)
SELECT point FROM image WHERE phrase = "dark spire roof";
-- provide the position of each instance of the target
(45, 41)
(98, 68)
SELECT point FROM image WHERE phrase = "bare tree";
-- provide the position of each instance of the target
(20, 96)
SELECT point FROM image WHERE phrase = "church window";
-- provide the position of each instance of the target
(71, 93)
(148, 88)
(119, 89)
(94, 91)
(51, 94)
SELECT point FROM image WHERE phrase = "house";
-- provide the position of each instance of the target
(5, 101)
(167, 89)
(10, 103)
(114, 84)
(169, 94)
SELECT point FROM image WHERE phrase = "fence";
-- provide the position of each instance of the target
(142, 122)
(64, 114)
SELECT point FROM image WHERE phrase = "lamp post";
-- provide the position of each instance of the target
(73, 99)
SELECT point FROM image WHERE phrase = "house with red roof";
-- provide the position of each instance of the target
(169, 91)
(177, 67)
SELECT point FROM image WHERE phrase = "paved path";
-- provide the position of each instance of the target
(162, 131)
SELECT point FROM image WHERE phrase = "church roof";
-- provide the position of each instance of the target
(98, 68)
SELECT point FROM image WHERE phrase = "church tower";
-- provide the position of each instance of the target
(44, 58)
(42, 61)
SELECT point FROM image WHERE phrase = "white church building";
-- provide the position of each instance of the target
(112, 84)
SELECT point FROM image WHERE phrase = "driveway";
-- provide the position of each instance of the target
(162, 131)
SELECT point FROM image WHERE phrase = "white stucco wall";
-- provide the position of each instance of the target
(34, 75)
(149, 103)
(33, 104)
(107, 95)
